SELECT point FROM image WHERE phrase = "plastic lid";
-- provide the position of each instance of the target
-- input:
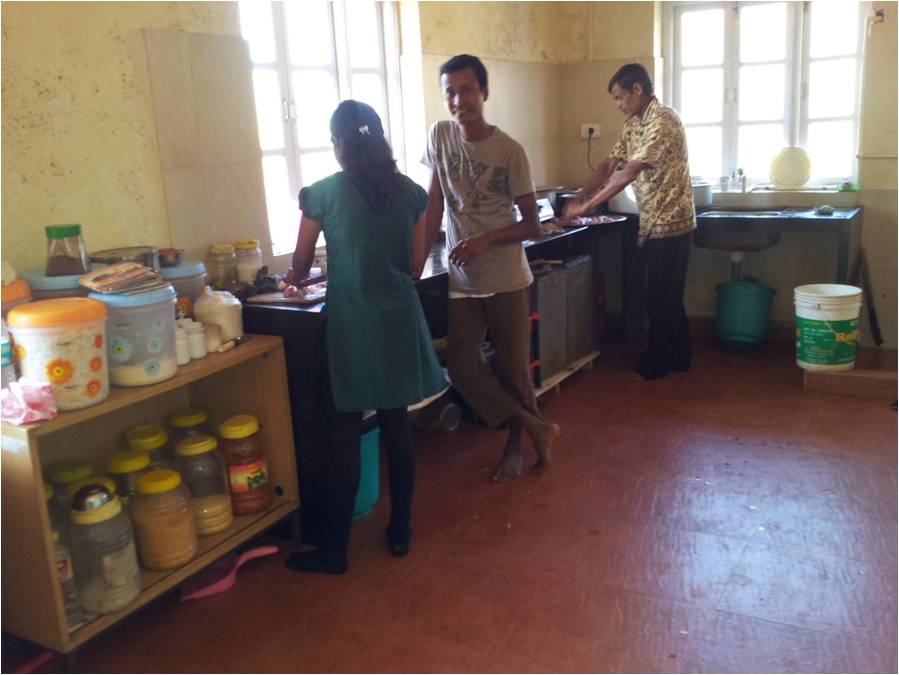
(220, 249)
(246, 244)
(62, 231)
(56, 312)
(187, 268)
(97, 514)
(48, 490)
(108, 483)
(16, 290)
(161, 480)
(41, 282)
(146, 437)
(188, 417)
(239, 426)
(195, 445)
(68, 471)
(128, 461)
(163, 294)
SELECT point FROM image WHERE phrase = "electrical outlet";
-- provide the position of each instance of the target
(585, 130)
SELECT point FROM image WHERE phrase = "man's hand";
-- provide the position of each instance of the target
(574, 208)
(467, 249)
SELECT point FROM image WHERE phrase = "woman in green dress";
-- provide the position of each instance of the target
(379, 348)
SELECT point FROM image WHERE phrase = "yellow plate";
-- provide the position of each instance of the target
(790, 168)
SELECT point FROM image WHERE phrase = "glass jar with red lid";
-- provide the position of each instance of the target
(249, 481)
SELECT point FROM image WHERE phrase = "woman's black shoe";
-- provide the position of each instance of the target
(316, 561)
(398, 540)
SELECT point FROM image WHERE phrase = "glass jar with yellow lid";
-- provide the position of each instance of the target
(203, 471)
(221, 270)
(107, 483)
(248, 476)
(163, 520)
(248, 260)
(187, 422)
(126, 467)
(154, 440)
(64, 472)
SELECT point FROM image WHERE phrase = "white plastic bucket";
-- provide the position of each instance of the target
(826, 326)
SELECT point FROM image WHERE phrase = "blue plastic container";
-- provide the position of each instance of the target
(742, 313)
(369, 478)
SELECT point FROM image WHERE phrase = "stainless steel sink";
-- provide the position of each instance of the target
(740, 214)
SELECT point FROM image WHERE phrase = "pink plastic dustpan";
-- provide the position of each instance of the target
(220, 575)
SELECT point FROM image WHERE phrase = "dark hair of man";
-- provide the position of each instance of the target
(463, 61)
(365, 153)
(629, 75)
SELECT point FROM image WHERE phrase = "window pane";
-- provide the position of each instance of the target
(369, 88)
(831, 148)
(256, 28)
(317, 165)
(362, 35)
(763, 33)
(269, 115)
(702, 95)
(834, 28)
(315, 93)
(757, 146)
(704, 151)
(762, 90)
(831, 88)
(308, 26)
(702, 37)
(283, 213)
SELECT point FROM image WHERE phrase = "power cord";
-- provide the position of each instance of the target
(589, 145)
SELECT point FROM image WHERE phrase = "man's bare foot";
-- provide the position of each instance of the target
(509, 467)
(544, 435)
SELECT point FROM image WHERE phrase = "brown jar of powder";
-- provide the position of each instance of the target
(163, 520)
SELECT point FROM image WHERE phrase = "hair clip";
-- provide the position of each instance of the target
(364, 130)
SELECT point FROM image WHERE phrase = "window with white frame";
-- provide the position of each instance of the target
(307, 57)
(750, 78)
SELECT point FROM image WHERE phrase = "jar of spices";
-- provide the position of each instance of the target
(63, 473)
(163, 520)
(248, 477)
(221, 269)
(126, 467)
(203, 470)
(65, 251)
(187, 422)
(101, 540)
(248, 260)
(152, 439)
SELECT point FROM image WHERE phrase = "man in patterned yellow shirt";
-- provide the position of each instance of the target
(651, 153)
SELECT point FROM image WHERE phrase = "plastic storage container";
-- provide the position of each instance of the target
(741, 317)
(248, 260)
(248, 477)
(63, 342)
(152, 439)
(125, 468)
(63, 473)
(142, 255)
(221, 266)
(55, 513)
(141, 332)
(17, 292)
(220, 308)
(188, 279)
(203, 471)
(65, 251)
(102, 481)
(66, 577)
(103, 554)
(163, 520)
(187, 422)
(50, 288)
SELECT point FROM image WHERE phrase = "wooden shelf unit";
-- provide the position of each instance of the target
(251, 378)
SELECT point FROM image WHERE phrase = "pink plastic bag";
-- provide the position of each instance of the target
(27, 401)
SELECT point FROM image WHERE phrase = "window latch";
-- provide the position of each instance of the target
(289, 109)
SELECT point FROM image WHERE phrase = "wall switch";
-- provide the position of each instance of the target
(585, 130)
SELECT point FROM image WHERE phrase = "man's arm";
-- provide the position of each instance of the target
(433, 212)
(528, 228)
(615, 184)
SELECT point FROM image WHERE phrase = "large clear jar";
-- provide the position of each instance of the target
(141, 332)
(221, 266)
(187, 422)
(126, 467)
(104, 558)
(248, 476)
(163, 520)
(152, 439)
(203, 471)
(248, 260)
(65, 251)
(63, 473)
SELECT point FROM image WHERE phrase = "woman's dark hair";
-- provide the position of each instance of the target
(463, 61)
(364, 152)
(629, 75)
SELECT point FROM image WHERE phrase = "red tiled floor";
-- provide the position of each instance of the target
(716, 521)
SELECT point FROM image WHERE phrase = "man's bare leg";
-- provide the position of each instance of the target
(509, 467)
(543, 434)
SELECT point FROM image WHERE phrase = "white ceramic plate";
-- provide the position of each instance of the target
(790, 168)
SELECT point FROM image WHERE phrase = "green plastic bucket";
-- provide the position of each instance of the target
(826, 326)
(367, 495)
(742, 312)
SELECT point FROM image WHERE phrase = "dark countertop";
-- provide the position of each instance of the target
(793, 218)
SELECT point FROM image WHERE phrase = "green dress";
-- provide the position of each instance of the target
(379, 347)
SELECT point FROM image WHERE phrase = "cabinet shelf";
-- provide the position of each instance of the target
(250, 378)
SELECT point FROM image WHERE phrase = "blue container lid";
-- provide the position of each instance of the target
(151, 297)
(40, 281)
(186, 268)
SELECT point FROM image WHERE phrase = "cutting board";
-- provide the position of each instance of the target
(312, 295)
